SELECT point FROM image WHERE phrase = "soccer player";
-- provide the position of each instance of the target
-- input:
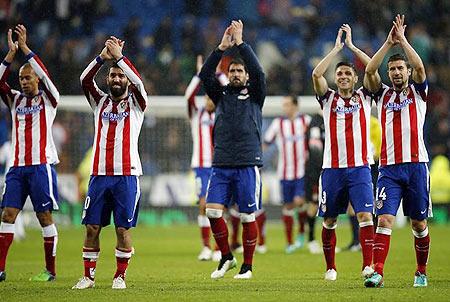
(403, 172)
(290, 133)
(202, 122)
(237, 146)
(34, 153)
(347, 155)
(114, 184)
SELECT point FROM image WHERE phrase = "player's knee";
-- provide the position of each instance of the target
(214, 213)
(92, 231)
(45, 218)
(364, 217)
(419, 226)
(386, 221)
(330, 223)
(246, 217)
(9, 215)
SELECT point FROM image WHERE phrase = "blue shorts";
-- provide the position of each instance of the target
(340, 186)
(112, 194)
(291, 189)
(37, 181)
(201, 181)
(241, 185)
(408, 181)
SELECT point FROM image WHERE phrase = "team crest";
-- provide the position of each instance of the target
(379, 204)
(405, 91)
(124, 105)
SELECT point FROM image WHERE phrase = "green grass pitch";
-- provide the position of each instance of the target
(165, 268)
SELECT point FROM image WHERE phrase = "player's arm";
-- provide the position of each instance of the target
(5, 90)
(208, 72)
(91, 91)
(319, 82)
(418, 74)
(271, 133)
(256, 74)
(372, 80)
(193, 88)
(361, 55)
(37, 65)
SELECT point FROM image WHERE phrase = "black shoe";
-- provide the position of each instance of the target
(2, 276)
(245, 268)
(224, 259)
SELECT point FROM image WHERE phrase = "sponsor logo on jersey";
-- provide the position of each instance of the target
(398, 106)
(114, 117)
(341, 108)
(29, 110)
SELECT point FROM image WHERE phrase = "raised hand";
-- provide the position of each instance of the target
(227, 39)
(238, 28)
(21, 32)
(199, 63)
(105, 54)
(338, 45)
(13, 46)
(400, 28)
(114, 47)
(348, 35)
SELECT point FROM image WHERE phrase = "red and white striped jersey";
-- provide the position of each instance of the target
(402, 115)
(347, 129)
(32, 117)
(117, 124)
(291, 140)
(202, 124)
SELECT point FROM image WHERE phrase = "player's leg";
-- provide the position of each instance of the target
(288, 213)
(15, 193)
(248, 194)
(44, 197)
(311, 196)
(354, 244)
(96, 213)
(126, 195)
(361, 198)
(261, 223)
(218, 195)
(388, 196)
(201, 181)
(299, 201)
(417, 205)
(333, 200)
(235, 218)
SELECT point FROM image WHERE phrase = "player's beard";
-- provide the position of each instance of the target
(237, 83)
(116, 91)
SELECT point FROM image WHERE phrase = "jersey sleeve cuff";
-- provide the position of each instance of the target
(99, 60)
(29, 56)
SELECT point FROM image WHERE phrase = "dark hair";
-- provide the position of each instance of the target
(344, 63)
(238, 61)
(399, 57)
(293, 98)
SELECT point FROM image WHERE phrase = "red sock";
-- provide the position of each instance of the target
(366, 241)
(220, 232)
(249, 236)
(50, 253)
(422, 247)
(261, 223)
(288, 225)
(381, 248)
(302, 217)
(90, 256)
(235, 222)
(122, 259)
(329, 246)
(5, 242)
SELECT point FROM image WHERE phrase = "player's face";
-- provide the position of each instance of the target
(398, 73)
(237, 75)
(345, 77)
(29, 81)
(117, 82)
(288, 106)
(210, 107)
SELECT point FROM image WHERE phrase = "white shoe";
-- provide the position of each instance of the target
(205, 254)
(367, 272)
(314, 247)
(216, 256)
(246, 275)
(223, 268)
(84, 283)
(331, 275)
(239, 250)
(119, 283)
(261, 249)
